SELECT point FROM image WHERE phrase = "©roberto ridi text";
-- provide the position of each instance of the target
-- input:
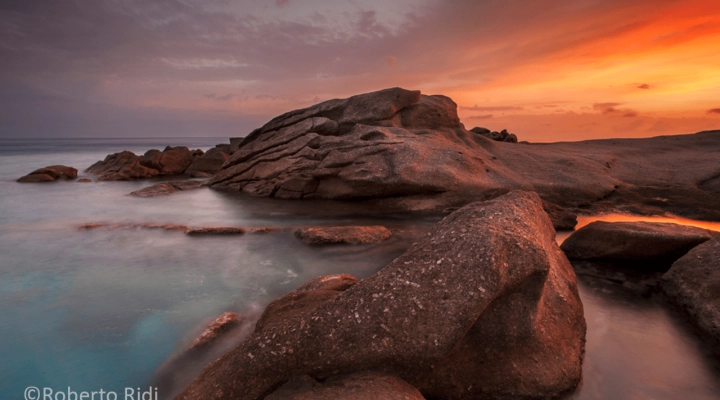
(46, 393)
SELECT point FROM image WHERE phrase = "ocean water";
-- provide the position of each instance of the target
(102, 309)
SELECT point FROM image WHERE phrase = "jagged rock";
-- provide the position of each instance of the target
(562, 219)
(693, 284)
(343, 234)
(648, 242)
(210, 162)
(126, 165)
(50, 174)
(221, 325)
(484, 306)
(358, 386)
(164, 189)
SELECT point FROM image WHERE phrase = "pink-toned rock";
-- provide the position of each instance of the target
(368, 385)
(210, 162)
(215, 230)
(343, 234)
(50, 174)
(220, 326)
(167, 188)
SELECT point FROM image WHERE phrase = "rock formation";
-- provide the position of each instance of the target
(50, 174)
(357, 386)
(693, 284)
(502, 136)
(484, 306)
(409, 151)
(634, 241)
(343, 234)
(169, 162)
(164, 189)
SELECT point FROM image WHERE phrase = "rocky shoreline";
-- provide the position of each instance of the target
(486, 305)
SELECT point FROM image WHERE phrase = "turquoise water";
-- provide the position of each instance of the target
(102, 309)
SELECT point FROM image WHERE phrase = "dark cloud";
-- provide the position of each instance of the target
(491, 108)
(486, 116)
(611, 109)
(714, 111)
(644, 86)
(630, 114)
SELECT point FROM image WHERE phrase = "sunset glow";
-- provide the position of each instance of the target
(548, 71)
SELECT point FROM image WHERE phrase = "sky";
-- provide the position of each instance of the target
(547, 70)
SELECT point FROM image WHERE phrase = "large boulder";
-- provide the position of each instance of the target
(343, 234)
(484, 306)
(693, 284)
(657, 242)
(50, 174)
(357, 386)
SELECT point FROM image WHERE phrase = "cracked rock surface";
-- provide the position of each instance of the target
(485, 306)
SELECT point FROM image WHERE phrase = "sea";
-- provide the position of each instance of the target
(102, 309)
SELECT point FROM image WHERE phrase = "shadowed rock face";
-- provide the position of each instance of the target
(634, 241)
(358, 386)
(693, 283)
(126, 165)
(408, 151)
(485, 306)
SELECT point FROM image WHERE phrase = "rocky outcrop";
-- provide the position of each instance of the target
(192, 231)
(167, 188)
(357, 386)
(484, 306)
(562, 219)
(408, 151)
(502, 136)
(50, 174)
(343, 234)
(127, 166)
(210, 162)
(693, 284)
(215, 230)
(661, 243)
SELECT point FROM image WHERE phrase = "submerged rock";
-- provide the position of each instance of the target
(164, 189)
(693, 284)
(634, 241)
(343, 234)
(485, 306)
(215, 230)
(50, 174)
(357, 386)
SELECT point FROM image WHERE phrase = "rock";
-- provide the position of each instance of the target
(108, 226)
(84, 180)
(502, 136)
(235, 144)
(562, 219)
(49, 174)
(358, 386)
(210, 162)
(693, 284)
(480, 130)
(343, 234)
(484, 306)
(215, 230)
(650, 242)
(126, 165)
(121, 167)
(164, 189)
(219, 336)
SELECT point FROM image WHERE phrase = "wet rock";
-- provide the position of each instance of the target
(210, 162)
(215, 230)
(221, 325)
(343, 234)
(562, 219)
(358, 386)
(634, 241)
(485, 306)
(111, 226)
(50, 174)
(84, 180)
(164, 189)
(693, 284)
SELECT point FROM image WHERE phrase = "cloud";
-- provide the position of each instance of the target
(644, 86)
(486, 116)
(714, 111)
(606, 108)
(281, 3)
(491, 108)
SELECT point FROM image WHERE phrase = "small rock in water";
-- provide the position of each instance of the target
(50, 174)
(343, 234)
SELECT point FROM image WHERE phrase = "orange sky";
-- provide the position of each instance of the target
(546, 70)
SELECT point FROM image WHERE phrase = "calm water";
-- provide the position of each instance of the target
(102, 309)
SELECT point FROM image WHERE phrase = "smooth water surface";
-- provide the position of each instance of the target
(101, 309)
